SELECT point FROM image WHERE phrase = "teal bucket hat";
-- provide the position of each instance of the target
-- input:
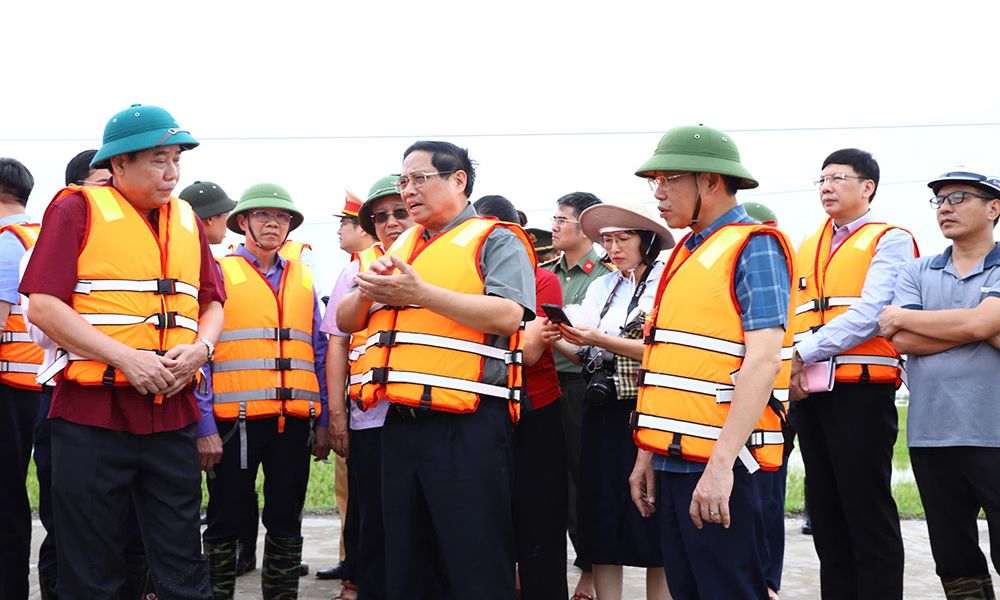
(387, 186)
(264, 195)
(140, 128)
(698, 149)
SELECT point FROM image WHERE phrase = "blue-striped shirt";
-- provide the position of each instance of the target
(763, 290)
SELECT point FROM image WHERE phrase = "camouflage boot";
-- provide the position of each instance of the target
(279, 577)
(968, 588)
(222, 569)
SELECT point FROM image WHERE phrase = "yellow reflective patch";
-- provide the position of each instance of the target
(186, 215)
(865, 237)
(31, 233)
(471, 231)
(233, 270)
(307, 277)
(722, 242)
(106, 203)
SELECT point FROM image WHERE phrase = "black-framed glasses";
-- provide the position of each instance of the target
(418, 178)
(955, 198)
(400, 214)
(836, 179)
(659, 181)
(266, 216)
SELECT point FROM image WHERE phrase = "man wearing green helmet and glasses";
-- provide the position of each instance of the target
(136, 314)
(268, 393)
(709, 403)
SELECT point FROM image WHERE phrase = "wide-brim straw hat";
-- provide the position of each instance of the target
(600, 216)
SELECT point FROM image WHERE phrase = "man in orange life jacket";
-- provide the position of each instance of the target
(353, 239)
(446, 357)
(19, 397)
(713, 379)
(135, 329)
(268, 391)
(384, 217)
(846, 274)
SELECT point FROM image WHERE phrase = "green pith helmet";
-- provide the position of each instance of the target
(698, 149)
(264, 195)
(387, 186)
(140, 128)
(759, 212)
(207, 199)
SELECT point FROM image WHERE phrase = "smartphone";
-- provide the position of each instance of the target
(555, 314)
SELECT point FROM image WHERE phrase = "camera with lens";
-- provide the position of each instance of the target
(601, 381)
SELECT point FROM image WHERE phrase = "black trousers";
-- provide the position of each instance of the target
(770, 488)
(446, 499)
(365, 502)
(43, 469)
(954, 483)
(846, 437)
(97, 474)
(18, 409)
(540, 503)
(573, 387)
(285, 458)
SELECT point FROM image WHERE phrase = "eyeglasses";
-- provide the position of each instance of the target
(418, 179)
(836, 179)
(955, 198)
(265, 216)
(400, 214)
(622, 238)
(561, 222)
(659, 181)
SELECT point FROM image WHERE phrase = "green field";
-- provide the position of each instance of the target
(320, 497)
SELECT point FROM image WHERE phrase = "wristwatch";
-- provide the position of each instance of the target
(211, 348)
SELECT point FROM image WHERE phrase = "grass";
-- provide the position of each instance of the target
(320, 496)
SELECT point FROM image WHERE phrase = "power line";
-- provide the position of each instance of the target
(280, 138)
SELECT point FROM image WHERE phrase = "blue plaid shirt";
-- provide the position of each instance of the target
(763, 291)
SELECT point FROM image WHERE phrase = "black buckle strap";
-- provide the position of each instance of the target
(425, 397)
(109, 376)
(514, 396)
(802, 283)
(283, 394)
(283, 364)
(633, 419)
(166, 286)
(640, 377)
(386, 339)
(380, 375)
(166, 320)
(674, 449)
(282, 334)
(756, 439)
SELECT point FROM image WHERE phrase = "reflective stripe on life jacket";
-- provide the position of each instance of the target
(264, 363)
(359, 340)
(694, 349)
(421, 359)
(138, 286)
(20, 358)
(292, 250)
(828, 284)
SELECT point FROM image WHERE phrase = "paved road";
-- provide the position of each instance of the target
(800, 580)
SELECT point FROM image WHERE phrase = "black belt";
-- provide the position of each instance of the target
(410, 413)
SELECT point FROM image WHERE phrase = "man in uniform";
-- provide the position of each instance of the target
(137, 314)
(268, 390)
(578, 266)
(19, 397)
(946, 317)
(709, 402)
(846, 274)
(457, 289)
(542, 241)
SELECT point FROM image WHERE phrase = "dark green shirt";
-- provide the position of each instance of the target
(575, 280)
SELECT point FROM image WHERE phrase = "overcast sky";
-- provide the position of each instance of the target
(550, 97)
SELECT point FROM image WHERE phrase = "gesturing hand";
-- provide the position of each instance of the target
(382, 284)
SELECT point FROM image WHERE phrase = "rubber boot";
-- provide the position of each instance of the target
(968, 588)
(279, 578)
(222, 569)
(138, 579)
(47, 585)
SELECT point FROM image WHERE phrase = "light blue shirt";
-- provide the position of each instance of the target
(11, 251)
(860, 322)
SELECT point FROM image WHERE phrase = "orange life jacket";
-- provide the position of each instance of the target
(20, 358)
(356, 348)
(264, 363)
(694, 350)
(138, 286)
(828, 284)
(291, 250)
(421, 359)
